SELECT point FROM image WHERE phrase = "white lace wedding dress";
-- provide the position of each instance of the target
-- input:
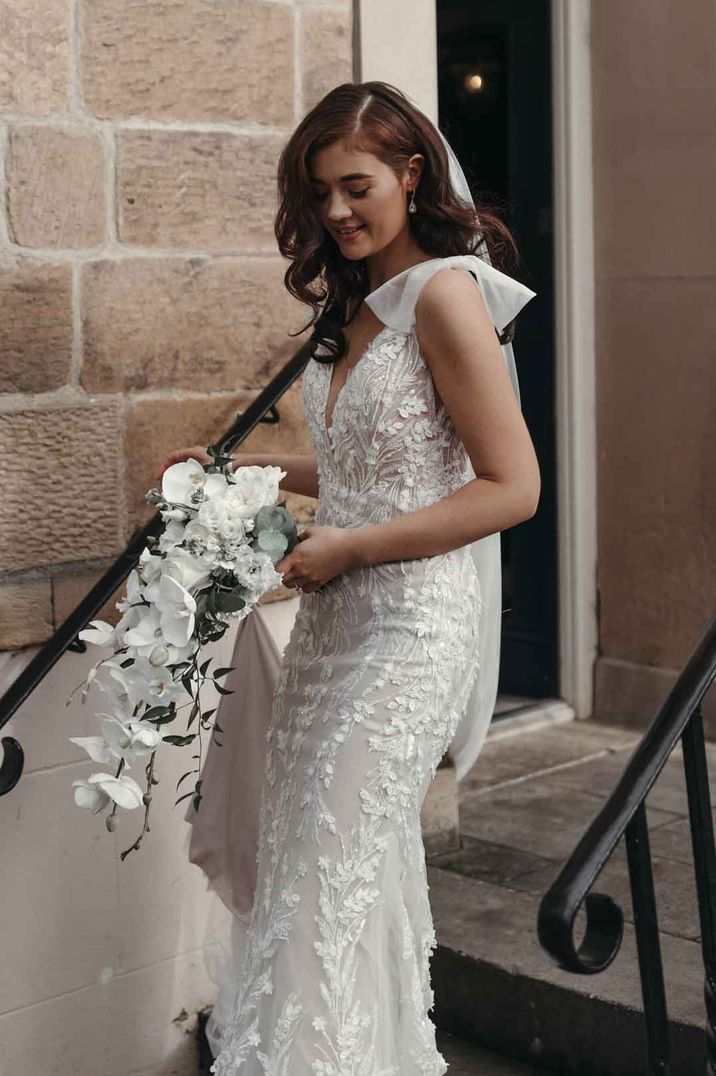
(334, 977)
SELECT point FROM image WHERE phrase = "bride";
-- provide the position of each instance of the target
(421, 453)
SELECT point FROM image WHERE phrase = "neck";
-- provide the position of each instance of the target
(400, 254)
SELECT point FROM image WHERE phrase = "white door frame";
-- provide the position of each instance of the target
(575, 379)
(381, 52)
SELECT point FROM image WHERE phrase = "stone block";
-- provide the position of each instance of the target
(209, 190)
(149, 60)
(25, 612)
(156, 427)
(439, 816)
(36, 325)
(62, 484)
(34, 57)
(71, 584)
(326, 52)
(56, 187)
(191, 323)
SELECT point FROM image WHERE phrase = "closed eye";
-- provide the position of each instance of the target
(321, 195)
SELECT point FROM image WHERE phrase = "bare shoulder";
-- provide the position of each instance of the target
(450, 308)
(449, 295)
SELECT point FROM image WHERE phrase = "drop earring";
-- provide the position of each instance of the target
(412, 208)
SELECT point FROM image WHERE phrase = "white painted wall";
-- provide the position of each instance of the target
(102, 969)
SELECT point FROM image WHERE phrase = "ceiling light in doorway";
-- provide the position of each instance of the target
(473, 83)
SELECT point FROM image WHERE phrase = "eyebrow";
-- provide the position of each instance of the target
(344, 179)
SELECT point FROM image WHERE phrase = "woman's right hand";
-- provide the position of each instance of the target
(194, 452)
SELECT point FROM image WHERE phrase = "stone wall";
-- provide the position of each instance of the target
(654, 102)
(141, 290)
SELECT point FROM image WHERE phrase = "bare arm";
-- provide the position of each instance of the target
(301, 470)
(459, 344)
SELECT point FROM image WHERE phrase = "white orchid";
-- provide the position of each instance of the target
(146, 632)
(172, 535)
(97, 748)
(150, 565)
(134, 592)
(121, 738)
(99, 633)
(129, 739)
(197, 535)
(142, 682)
(176, 608)
(190, 571)
(129, 620)
(180, 514)
(189, 484)
(96, 792)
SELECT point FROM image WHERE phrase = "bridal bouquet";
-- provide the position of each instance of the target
(214, 559)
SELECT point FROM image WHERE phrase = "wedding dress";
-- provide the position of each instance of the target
(332, 924)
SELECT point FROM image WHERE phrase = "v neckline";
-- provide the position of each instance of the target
(330, 367)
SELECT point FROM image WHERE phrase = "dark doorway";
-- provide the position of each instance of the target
(495, 108)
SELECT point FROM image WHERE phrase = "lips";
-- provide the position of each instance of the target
(348, 233)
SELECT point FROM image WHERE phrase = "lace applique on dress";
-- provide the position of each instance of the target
(376, 674)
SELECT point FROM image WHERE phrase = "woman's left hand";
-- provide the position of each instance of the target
(321, 554)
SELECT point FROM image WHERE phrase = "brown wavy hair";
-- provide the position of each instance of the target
(377, 118)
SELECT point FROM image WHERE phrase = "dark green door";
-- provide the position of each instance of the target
(495, 108)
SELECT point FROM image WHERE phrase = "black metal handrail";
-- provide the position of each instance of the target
(624, 813)
(262, 409)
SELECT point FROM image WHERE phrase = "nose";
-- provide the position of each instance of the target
(337, 208)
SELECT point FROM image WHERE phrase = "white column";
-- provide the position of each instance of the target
(396, 42)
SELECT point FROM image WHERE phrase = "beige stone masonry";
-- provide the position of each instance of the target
(156, 426)
(34, 56)
(36, 324)
(197, 324)
(61, 475)
(25, 612)
(149, 60)
(209, 190)
(56, 186)
(71, 583)
(141, 290)
(327, 48)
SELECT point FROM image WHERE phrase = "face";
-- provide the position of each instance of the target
(359, 199)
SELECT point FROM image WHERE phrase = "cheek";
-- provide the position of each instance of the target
(387, 213)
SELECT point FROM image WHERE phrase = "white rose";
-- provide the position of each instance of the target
(212, 513)
(233, 529)
(252, 488)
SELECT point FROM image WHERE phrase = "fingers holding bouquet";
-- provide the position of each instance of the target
(181, 455)
(320, 554)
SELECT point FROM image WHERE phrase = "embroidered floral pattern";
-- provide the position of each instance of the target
(376, 675)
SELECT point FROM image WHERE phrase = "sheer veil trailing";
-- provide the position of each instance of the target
(223, 835)
(486, 552)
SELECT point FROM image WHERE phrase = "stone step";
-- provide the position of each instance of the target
(468, 1059)
(495, 985)
(463, 1058)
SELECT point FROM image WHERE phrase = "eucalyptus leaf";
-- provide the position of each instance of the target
(231, 601)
